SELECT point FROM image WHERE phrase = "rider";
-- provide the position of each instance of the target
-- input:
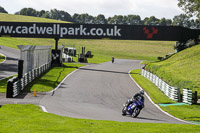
(135, 98)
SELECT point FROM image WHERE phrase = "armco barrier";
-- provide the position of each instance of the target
(187, 96)
(171, 92)
(15, 85)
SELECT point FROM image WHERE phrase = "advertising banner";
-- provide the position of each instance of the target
(96, 31)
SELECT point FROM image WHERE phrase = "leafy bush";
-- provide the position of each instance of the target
(181, 46)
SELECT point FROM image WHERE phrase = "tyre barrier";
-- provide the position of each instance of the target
(17, 85)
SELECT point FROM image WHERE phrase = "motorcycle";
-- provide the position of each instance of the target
(134, 108)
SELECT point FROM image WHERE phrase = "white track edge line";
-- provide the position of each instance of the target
(63, 81)
(43, 109)
(157, 105)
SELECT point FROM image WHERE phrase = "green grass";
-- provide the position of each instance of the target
(21, 18)
(2, 58)
(185, 112)
(48, 81)
(52, 78)
(181, 70)
(103, 50)
(3, 84)
(30, 118)
(156, 95)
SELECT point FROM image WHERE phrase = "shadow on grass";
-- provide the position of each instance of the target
(64, 66)
(44, 82)
(194, 117)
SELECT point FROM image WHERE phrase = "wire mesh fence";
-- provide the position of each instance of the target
(34, 56)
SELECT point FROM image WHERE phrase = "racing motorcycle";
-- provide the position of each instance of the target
(134, 108)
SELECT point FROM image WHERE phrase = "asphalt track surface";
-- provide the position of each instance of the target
(98, 92)
(10, 66)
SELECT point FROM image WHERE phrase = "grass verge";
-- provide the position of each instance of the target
(30, 118)
(3, 84)
(156, 95)
(47, 81)
(185, 112)
(180, 70)
(52, 78)
(2, 58)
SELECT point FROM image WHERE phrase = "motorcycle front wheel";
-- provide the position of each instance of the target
(136, 112)
(124, 110)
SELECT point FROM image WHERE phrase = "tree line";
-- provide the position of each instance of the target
(179, 20)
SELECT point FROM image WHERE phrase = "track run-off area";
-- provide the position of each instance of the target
(95, 91)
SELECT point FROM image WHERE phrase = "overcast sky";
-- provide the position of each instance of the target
(144, 8)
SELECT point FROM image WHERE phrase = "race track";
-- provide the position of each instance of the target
(10, 66)
(98, 91)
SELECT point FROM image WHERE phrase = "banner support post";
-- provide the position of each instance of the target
(56, 44)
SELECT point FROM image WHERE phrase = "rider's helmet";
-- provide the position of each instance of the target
(142, 92)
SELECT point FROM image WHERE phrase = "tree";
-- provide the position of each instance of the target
(191, 7)
(60, 15)
(40, 13)
(100, 19)
(133, 20)
(2, 10)
(165, 22)
(83, 18)
(151, 21)
(181, 20)
(117, 19)
(27, 12)
(46, 15)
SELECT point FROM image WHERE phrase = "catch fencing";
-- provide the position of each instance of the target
(34, 56)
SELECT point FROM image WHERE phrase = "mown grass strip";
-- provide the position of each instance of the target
(30, 118)
(184, 112)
